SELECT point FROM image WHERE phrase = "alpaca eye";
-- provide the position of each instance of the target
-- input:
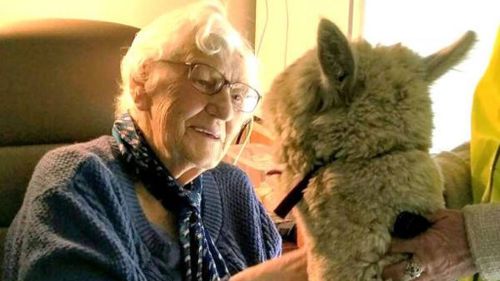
(341, 76)
(402, 95)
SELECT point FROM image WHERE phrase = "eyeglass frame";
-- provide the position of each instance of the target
(225, 83)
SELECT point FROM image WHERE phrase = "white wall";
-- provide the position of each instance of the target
(428, 25)
(132, 12)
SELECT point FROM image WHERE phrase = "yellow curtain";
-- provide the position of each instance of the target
(485, 134)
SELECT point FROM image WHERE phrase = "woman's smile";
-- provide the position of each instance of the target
(209, 133)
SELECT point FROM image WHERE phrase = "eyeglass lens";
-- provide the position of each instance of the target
(210, 81)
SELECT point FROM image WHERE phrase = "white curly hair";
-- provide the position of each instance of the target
(203, 25)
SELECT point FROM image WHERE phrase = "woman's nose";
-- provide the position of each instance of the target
(220, 104)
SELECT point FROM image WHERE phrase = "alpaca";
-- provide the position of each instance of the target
(361, 117)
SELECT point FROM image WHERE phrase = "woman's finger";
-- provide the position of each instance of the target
(399, 246)
(394, 271)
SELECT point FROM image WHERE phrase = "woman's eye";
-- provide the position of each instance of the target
(237, 97)
(207, 84)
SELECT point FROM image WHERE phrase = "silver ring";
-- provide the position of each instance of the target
(413, 270)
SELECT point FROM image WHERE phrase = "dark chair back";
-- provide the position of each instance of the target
(58, 82)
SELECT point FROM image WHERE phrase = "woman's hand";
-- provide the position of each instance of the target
(291, 266)
(442, 251)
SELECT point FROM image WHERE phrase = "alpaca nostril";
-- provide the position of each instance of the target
(409, 225)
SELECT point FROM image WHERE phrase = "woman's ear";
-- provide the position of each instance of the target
(138, 91)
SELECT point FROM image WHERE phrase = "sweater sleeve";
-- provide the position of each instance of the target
(483, 232)
(248, 235)
(271, 235)
(455, 168)
(256, 216)
(63, 230)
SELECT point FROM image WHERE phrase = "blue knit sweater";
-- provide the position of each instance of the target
(81, 220)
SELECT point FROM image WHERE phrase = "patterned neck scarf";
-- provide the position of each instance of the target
(202, 260)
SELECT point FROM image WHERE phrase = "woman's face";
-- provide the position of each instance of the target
(191, 129)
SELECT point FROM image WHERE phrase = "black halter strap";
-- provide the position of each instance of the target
(295, 195)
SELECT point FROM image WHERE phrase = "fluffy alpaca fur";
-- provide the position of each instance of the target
(364, 113)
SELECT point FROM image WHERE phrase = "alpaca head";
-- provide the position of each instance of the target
(352, 101)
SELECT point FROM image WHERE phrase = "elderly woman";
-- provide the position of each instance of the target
(153, 201)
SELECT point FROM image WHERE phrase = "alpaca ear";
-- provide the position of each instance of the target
(438, 63)
(336, 60)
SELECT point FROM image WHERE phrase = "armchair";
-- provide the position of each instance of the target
(58, 82)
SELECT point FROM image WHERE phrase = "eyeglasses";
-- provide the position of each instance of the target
(208, 80)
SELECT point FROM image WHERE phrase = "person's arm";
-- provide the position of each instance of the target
(442, 251)
(290, 266)
(54, 238)
(62, 231)
(482, 223)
